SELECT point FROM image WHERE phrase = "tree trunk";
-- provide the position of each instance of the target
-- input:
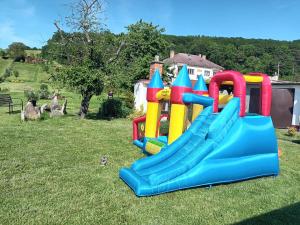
(85, 103)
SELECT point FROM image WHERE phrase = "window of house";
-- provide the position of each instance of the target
(206, 73)
(191, 71)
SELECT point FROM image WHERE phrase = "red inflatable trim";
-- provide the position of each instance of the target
(200, 92)
(265, 93)
(239, 89)
(176, 94)
(151, 94)
(135, 129)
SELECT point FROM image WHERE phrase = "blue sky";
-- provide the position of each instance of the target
(31, 21)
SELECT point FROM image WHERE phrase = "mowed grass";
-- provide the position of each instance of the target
(29, 72)
(50, 174)
(4, 64)
(30, 76)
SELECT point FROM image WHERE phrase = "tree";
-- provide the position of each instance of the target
(16, 50)
(143, 42)
(85, 54)
(244, 54)
(2, 53)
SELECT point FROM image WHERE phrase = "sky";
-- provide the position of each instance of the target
(31, 21)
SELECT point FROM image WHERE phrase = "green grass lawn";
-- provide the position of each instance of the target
(50, 174)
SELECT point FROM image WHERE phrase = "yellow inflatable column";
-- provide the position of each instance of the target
(199, 89)
(152, 117)
(153, 105)
(177, 121)
(178, 115)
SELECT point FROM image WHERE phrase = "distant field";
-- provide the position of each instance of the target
(33, 52)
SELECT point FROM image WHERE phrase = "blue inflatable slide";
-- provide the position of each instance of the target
(217, 148)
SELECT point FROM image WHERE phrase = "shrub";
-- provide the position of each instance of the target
(7, 73)
(20, 58)
(164, 127)
(44, 92)
(16, 73)
(2, 79)
(136, 113)
(31, 96)
(4, 90)
(16, 81)
(292, 131)
(113, 108)
(128, 99)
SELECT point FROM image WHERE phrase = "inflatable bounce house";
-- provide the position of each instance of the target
(220, 146)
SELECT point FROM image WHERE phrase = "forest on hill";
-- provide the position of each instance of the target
(265, 55)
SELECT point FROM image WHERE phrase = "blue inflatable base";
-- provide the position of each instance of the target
(217, 148)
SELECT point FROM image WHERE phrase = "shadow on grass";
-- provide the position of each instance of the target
(296, 142)
(96, 116)
(289, 139)
(14, 112)
(92, 116)
(289, 215)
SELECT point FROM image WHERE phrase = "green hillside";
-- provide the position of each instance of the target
(244, 54)
(4, 64)
(29, 72)
(30, 76)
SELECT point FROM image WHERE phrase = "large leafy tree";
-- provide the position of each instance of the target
(85, 54)
(16, 50)
(143, 42)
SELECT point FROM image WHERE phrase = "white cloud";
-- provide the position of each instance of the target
(8, 34)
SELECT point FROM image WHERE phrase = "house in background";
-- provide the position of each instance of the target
(140, 87)
(196, 64)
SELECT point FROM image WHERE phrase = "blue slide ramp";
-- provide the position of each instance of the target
(217, 148)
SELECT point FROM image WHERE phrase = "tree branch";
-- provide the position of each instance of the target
(60, 32)
(89, 6)
(117, 53)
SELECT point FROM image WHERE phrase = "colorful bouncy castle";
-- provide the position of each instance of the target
(146, 129)
(219, 146)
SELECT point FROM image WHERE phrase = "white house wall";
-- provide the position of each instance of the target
(200, 71)
(140, 94)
